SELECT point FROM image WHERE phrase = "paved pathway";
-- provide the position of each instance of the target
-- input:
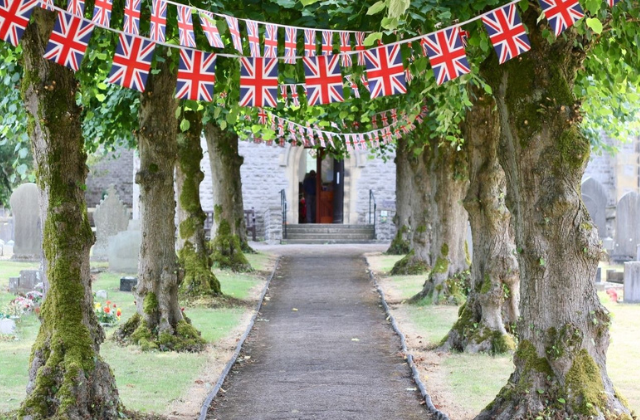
(326, 351)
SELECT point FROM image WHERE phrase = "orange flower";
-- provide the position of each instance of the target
(118, 312)
(108, 302)
(107, 310)
(114, 305)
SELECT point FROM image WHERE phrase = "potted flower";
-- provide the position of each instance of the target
(108, 315)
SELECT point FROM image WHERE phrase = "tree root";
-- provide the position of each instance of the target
(184, 338)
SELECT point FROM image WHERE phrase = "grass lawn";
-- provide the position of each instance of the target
(147, 382)
(473, 380)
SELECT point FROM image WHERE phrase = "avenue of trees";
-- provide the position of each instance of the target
(503, 149)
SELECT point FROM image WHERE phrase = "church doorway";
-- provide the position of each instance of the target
(321, 191)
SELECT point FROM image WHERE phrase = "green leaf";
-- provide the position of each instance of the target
(376, 8)
(595, 25)
(371, 39)
(185, 125)
(308, 2)
(390, 23)
(397, 8)
(561, 401)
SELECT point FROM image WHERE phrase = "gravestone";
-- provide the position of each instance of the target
(595, 199)
(599, 275)
(6, 228)
(102, 294)
(128, 283)
(124, 249)
(615, 276)
(632, 282)
(26, 282)
(627, 227)
(25, 204)
(7, 326)
(110, 218)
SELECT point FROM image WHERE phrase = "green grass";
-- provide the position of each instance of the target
(260, 261)
(433, 321)
(385, 263)
(11, 269)
(237, 285)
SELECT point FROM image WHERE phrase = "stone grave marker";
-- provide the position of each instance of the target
(627, 227)
(128, 283)
(595, 199)
(124, 249)
(7, 326)
(110, 218)
(25, 204)
(26, 282)
(102, 294)
(6, 228)
(615, 276)
(632, 282)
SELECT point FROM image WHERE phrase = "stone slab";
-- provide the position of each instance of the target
(128, 283)
(632, 282)
(123, 252)
(7, 326)
(25, 204)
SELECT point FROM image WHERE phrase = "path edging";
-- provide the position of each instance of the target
(438, 415)
(211, 396)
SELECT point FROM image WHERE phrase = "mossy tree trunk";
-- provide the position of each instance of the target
(159, 322)
(401, 243)
(193, 253)
(445, 223)
(492, 306)
(560, 362)
(67, 377)
(228, 214)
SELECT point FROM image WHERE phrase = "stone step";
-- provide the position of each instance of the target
(329, 228)
(330, 236)
(327, 242)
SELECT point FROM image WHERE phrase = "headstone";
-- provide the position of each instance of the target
(123, 251)
(609, 244)
(599, 275)
(627, 227)
(26, 282)
(615, 276)
(6, 228)
(7, 326)
(102, 294)
(128, 283)
(25, 205)
(110, 218)
(632, 282)
(595, 199)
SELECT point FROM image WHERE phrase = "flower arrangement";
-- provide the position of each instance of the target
(20, 306)
(109, 314)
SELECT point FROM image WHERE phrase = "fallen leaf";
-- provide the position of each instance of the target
(295, 309)
(355, 339)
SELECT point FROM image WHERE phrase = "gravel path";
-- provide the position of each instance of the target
(321, 348)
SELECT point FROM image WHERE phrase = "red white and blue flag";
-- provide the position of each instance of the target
(185, 27)
(14, 18)
(102, 12)
(208, 24)
(132, 17)
(258, 81)
(234, 30)
(385, 71)
(446, 54)
(46, 4)
(345, 47)
(196, 75)
(132, 62)
(76, 7)
(353, 85)
(561, 14)
(294, 95)
(327, 43)
(612, 3)
(323, 79)
(271, 41)
(253, 35)
(290, 40)
(506, 32)
(158, 22)
(69, 40)
(360, 47)
(309, 42)
(262, 116)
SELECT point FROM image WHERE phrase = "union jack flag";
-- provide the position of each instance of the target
(132, 17)
(196, 75)
(360, 47)
(374, 121)
(253, 35)
(345, 47)
(323, 79)
(132, 62)
(234, 30)
(271, 41)
(210, 29)
(14, 18)
(385, 119)
(102, 12)
(464, 37)
(446, 54)
(258, 81)
(262, 116)
(290, 39)
(612, 3)
(69, 40)
(321, 138)
(158, 23)
(385, 71)
(506, 32)
(46, 4)
(327, 42)
(561, 14)
(185, 27)
(294, 95)
(353, 85)
(76, 7)
(309, 42)
(394, 116)
(283, 93)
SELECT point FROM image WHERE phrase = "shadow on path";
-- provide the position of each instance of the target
(322, 348)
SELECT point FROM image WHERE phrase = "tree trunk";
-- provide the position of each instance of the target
(401, 243)
(492, 305)
(67, 377)
(228, 213)
(445, 224)
(159, 322)
(564, 330)
(193, 255)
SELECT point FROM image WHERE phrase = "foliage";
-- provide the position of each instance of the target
(108, 314)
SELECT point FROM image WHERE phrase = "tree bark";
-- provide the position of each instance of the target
(67, 377)
(193, 253)
(228, 213)
(564, 330)
(444, 224)
(401, 243)
(159, 322)
(492, 306)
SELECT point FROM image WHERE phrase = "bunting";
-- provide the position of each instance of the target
(271, 41)
(323, 79)
(258, 81)
(360, 47)
(132, 62)
(309, 42)
(253, 35)
(345, 46)
(132, 17)
(196, 75)
(234, 31)
(446, 54)
(561, 14)
(102, 12)
(210, 29)
(327, 42)
(290, 45)
(185, 27)
(76, 7)
(158, 23)
(506, 32)
(69, 40)
(385, 71)
(14, 18)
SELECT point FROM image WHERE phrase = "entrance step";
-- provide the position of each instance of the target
(326, 242)
(329, 233)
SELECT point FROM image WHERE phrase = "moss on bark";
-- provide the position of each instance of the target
(409, 265)
(226, 248)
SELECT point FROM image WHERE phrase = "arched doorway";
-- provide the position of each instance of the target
(320, 197)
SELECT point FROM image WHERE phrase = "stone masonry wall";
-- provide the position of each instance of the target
(112, 169)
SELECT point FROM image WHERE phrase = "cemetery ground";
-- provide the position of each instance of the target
(168, 384)
(461, 385)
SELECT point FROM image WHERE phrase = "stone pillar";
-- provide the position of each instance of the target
(632, 282)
